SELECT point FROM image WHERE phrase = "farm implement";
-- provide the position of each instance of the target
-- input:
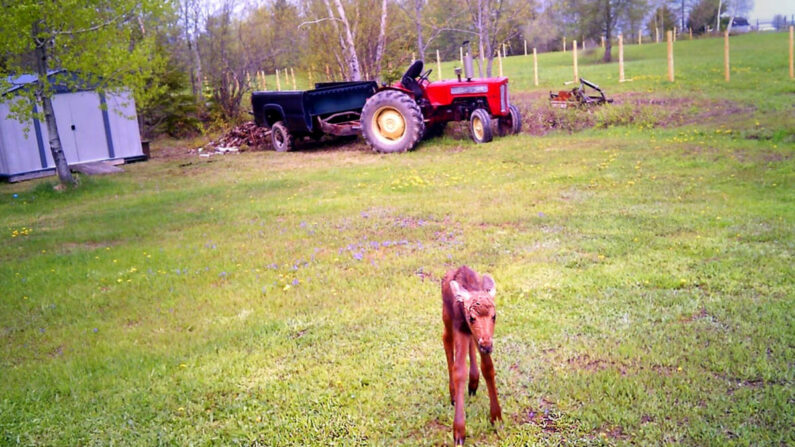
(578, 97)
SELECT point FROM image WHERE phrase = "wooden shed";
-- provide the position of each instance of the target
(93, 127)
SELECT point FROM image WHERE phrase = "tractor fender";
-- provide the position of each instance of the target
(396, 88)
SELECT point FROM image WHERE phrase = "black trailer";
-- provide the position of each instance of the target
(332, 108)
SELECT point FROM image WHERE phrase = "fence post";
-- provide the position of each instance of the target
(535, 68)
(640, 38)
(461, 55)
(574, 57)
(564, 44)
(603, 42)
(670, 40)
(791, 45)
(309, 73)
(726, 70)
(438, 65)
(278, 83)
(621, 58)
(691, 33)
(674, 34)
(656, 35)
(292, 73)
(525, 47)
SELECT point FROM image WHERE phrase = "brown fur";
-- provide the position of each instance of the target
(469, 316)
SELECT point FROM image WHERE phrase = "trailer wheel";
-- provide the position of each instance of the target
(392, 122)
(511, 124)
(480, 126)
(281, 138)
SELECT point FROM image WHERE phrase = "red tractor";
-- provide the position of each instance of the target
(391, 118)
(396, 117)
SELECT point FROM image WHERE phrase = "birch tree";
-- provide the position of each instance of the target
(348, 44)
(105, 41)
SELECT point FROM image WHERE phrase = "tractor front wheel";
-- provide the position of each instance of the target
(392, 122)
(511, 124)
(480, 126)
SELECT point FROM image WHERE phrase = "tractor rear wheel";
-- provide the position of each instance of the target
(480, 126)
(392, 122)
(511, 124)
(281, 138)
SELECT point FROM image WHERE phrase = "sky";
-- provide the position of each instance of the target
(764, 10)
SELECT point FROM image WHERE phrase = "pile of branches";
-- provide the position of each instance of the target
(245, 136)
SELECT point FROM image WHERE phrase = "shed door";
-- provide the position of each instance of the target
(80, 126)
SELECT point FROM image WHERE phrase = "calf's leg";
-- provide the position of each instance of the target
(488, 375)
(474, 375)
(461, 344)
(447, 339)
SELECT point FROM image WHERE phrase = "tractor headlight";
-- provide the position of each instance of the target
(504, 97)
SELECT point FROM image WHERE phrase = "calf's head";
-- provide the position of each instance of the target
(479, 311)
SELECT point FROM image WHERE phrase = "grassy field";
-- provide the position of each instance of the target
(644, 272)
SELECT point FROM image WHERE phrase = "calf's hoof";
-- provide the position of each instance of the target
(473, 390)
(496, 415)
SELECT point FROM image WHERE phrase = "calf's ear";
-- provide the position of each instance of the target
(489, 285)
(459, 292)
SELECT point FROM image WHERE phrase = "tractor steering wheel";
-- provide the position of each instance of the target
(424, 76)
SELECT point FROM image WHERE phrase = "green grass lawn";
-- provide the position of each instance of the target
(644, 276)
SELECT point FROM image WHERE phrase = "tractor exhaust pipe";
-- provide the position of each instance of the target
(469, 71)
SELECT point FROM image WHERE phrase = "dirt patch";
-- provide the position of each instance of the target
(69, 247)
(588, 363)
(545, 416)
(701, 314)
(591, 364)
(614, 432)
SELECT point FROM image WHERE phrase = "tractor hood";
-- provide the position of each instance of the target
(494, 90)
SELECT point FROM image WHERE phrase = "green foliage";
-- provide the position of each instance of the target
(174, 110)
(663, 19)
(703, 16)
(106, 42)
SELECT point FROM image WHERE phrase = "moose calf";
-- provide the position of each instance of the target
(469, 316)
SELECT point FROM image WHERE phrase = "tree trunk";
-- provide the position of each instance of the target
(350, 46)
(197, 69)
(44, 95)
(379, 50)
(482, 64)
(608, 34)
(418, 24)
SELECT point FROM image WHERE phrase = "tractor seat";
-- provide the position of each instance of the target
(409, 80)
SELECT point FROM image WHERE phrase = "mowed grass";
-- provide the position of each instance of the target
(645, 292)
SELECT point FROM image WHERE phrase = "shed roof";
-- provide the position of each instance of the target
(24, 80)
